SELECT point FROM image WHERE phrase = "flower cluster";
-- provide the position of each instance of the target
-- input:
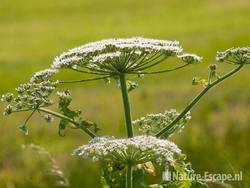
(30, 96)
(190, 58)
(136, 150)
(235, 55)
(114, 56)
(43, 75)
(90, 50)
(152, 123)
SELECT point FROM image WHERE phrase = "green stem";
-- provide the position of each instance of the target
(129, 177)
(84, 80)
(26, 121)
(126, 105)
(61, 116)
(162, 71)
(196, 99)
(124, 90)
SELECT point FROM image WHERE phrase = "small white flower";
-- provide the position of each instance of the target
(7, 97)
(190, 58)
(8, 110)
(105, 57)
(43, 75)
(60, 62)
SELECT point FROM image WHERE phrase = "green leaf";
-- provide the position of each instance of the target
(64, 102)
(199, 184)
(113, 175)
(138, 177)
(62, 127)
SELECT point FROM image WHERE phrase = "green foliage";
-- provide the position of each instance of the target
(63, 104)
(114, 176)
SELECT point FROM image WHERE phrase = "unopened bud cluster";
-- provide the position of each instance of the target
(29, 96)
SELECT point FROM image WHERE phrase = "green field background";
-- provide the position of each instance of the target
(33, 32)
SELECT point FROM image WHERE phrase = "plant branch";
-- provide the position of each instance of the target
(26, 121)
(153, 64)
(196, 99)
(61, 116)
(162, 71)
(84, 80)
(88, 72)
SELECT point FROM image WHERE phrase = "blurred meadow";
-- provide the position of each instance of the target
(33, 32)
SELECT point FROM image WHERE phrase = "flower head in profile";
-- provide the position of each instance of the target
(116, 56)
(235, 55)
(136, 150)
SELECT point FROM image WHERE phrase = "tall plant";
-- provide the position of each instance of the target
(124, 160)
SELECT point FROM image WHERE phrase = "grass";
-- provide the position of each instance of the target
(34, 32)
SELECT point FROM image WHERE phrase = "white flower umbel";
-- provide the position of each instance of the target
(136, 150)
(152, 123)
(235, 55)
(114, 56)
(43, 75)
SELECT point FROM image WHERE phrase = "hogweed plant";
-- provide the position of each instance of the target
(124, 161)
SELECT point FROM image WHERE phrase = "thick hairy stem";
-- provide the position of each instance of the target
(129, 177)
(61, 116)
(126, 105)
(196, 99)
